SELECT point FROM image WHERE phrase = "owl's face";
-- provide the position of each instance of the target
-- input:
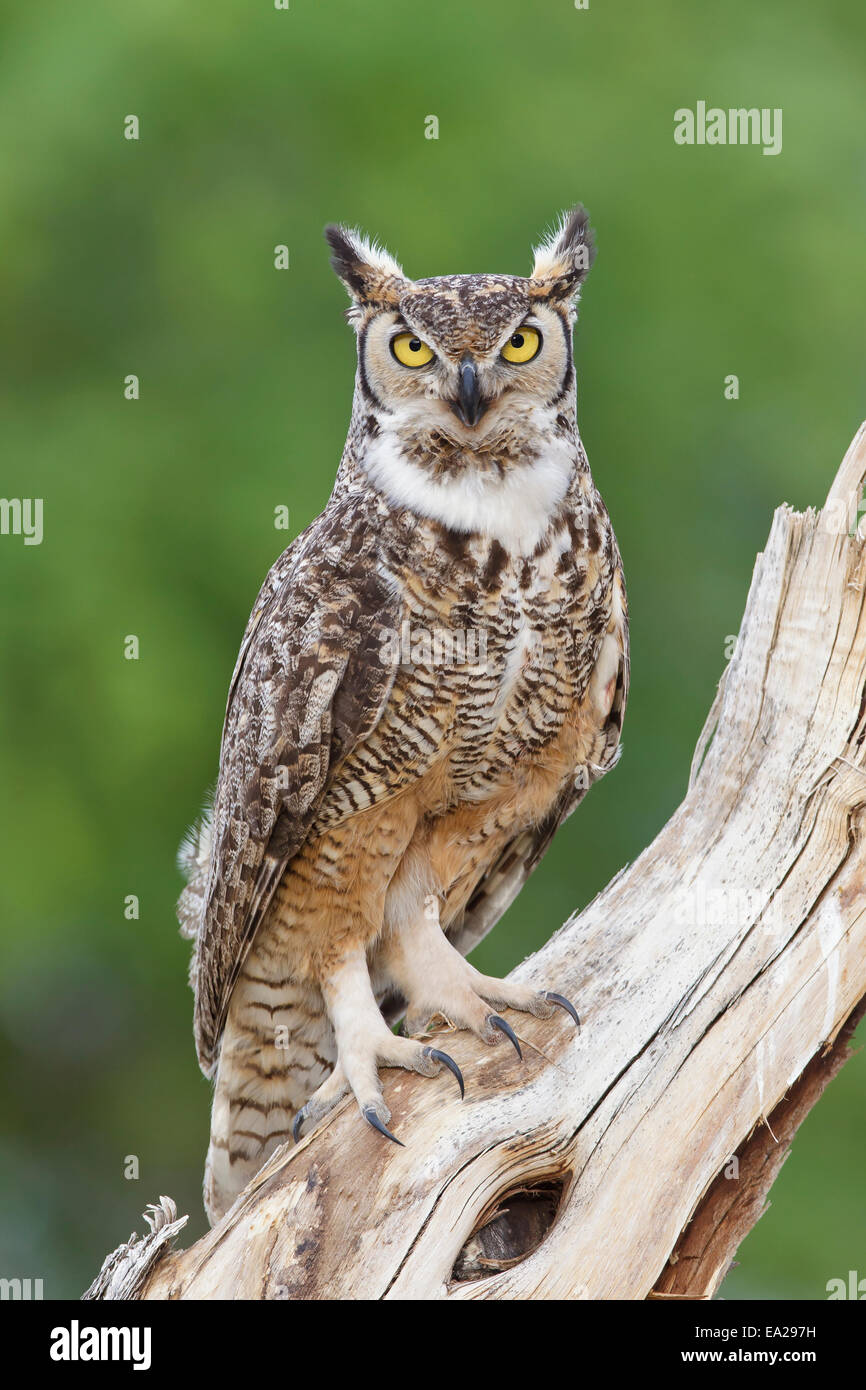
(468, 358)
(465, 352)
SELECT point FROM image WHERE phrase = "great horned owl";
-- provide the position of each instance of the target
(433, 675)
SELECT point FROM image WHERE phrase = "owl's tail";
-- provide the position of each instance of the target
(276, 1050)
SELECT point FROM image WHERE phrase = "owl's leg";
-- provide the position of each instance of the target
(435, 978)
(364, 1044)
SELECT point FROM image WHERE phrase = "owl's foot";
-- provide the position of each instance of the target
(364, 1044)
(562, 1003)
(426, 1060)
(465, 1004)
(321, 1102)
(496, 1022)
(436, 979)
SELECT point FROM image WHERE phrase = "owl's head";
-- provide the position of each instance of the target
(470, 358)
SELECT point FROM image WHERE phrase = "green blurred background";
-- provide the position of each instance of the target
(156, 258)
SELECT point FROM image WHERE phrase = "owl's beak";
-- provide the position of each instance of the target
(469, 406)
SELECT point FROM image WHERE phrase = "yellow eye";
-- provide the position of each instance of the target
(522, 346)
(410, 351)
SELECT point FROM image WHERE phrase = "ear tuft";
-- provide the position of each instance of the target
(369, 273)
(563, 260)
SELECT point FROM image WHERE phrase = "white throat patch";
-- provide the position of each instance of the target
(514, 509)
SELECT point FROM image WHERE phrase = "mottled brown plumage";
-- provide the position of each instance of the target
(433, 675)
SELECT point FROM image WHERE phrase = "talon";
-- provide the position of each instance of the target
(563, 1004)
(373, 1119)
(507, 1030)
(298, 1124)
(449, 1063)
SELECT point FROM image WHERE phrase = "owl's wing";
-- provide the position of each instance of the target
(309, 684)
(503, 879)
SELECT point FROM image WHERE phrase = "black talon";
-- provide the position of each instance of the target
(298, 1125)
(373, 1119)
(507, 1030)
(563, 1004)
(450, 1064)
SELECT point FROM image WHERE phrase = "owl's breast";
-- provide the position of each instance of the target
(493, 660)
(500, 668)
(518, 700)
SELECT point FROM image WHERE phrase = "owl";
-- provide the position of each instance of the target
(433, 675)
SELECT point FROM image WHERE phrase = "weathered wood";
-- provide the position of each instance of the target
(737, 1198)
(124, 1270)
(712, 976)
